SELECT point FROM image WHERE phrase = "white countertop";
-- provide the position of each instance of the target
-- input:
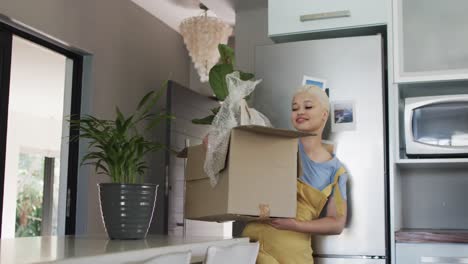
(99, 249)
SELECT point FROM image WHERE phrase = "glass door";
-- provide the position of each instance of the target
(441, 124)
(430, 39)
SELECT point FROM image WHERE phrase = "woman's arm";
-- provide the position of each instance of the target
(331, 224)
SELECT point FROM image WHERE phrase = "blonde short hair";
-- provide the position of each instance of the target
(317, 91)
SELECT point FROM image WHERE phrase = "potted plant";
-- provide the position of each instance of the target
(117, 148)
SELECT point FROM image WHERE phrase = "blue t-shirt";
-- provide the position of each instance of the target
(320, 174)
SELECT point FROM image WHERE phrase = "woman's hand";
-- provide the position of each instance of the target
(284, 224)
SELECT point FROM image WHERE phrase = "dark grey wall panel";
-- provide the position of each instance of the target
(185, 105)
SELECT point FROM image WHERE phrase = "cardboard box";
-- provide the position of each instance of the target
(260, 171)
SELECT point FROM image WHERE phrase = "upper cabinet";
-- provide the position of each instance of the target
(306, 16)
(430, 40)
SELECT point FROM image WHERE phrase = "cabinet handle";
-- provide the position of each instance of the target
(443, 260)
(327, 15)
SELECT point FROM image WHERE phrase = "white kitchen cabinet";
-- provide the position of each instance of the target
(431, 253)
(305, 16)
(430, 40)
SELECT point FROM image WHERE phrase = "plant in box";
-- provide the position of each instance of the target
(118, 148)
(218, 82)
(232, 87)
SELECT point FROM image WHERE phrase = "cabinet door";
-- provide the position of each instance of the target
(431, 40)
(302, 16)
(431, 253)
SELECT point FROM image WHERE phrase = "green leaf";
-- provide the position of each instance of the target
(158, 119)
(152, 101)
(217, 80)
(127, 123)
(226, 53)
(245, 76)
(120, 116)
(119, 120)
(144, 99)
(215, 110)
(204, 121)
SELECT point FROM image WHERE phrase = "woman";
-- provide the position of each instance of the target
(322, 185)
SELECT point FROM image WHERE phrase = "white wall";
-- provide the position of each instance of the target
(132, 53)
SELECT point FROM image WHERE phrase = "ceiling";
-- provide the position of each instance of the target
(172, 12)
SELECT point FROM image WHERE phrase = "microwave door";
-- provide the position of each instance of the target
(436, 126)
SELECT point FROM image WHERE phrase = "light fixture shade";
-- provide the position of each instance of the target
(202, 34)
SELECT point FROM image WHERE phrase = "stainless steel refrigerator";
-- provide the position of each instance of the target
(353, 70)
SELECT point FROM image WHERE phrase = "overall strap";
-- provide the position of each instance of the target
(338, 173)
(338, 198)
(299, 165)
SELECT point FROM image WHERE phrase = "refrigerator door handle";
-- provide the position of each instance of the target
(443, 260)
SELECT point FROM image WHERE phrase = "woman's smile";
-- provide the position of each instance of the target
(301, 119)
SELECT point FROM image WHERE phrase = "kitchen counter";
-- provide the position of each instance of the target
(99, 249)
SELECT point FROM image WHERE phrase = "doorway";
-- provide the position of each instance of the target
(40, 88)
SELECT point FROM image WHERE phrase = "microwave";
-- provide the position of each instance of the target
(436, 126)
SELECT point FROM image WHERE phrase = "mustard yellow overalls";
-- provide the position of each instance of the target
(283, 246)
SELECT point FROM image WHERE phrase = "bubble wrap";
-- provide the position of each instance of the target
(228, 117)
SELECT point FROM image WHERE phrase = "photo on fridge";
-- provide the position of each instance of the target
(343, 115)
(321, 83)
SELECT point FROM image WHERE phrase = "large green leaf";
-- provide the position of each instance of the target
(227, 54)
(215, 110)
(217, 80)
(204, 121)
(245, 76)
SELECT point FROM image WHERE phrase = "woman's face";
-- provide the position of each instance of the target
(308, 114)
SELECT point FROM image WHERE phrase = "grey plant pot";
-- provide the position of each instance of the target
(127, 209)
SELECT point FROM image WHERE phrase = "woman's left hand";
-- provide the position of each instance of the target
(284, 224)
